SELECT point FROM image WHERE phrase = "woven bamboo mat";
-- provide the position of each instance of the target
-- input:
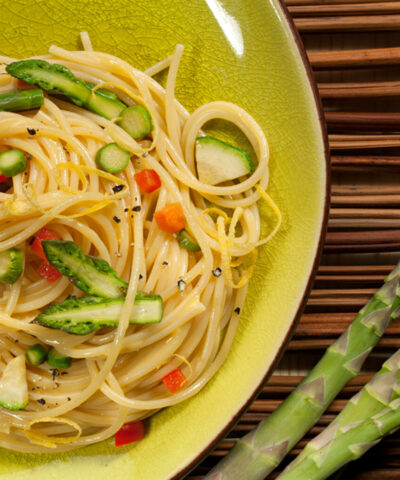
(353, 46)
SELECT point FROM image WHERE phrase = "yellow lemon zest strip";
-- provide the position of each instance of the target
(264, 195)
(46, 440)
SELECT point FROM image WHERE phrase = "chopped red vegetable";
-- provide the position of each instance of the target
(48, 272)
(148, 180)
(128, 433)
(43, 234)
(174, 380)
(171, 218)
(3, 178)
(24, 86)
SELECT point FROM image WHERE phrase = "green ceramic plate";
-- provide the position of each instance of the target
(241, 51)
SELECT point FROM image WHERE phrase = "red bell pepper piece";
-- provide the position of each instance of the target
(43, 234)
(3, 178)
(49, 272)
(148, 180)
(171, 218)
(24, 86)
(128, 433)
(174, 380)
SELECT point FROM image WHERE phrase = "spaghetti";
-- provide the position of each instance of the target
(116, 374)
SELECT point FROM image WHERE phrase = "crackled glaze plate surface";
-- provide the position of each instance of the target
(239, 51)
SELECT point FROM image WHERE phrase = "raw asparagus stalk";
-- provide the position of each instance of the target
(260, 451)
(351, 444)
(373, 398)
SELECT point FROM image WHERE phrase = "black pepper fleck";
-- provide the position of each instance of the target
(237, 310)
(217, 272)
(69, 399)
(116, 219)
(181, 285)
(42, 401)
(137, 208)
(140, 276)
(64, 373)
(144, 155)
(54, 372)
(164, 264)
(126, 209)
(32, 131)
(118, 188)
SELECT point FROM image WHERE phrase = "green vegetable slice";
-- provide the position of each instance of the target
(12, 162)
(81, 316)
(59, 79)
(112, 158)
(218, 161)
(136, 121)
(13, 385)
(56, 360)
(20, 101)
(91, 274)
(11, 265)
(36, 355)
(187, 241)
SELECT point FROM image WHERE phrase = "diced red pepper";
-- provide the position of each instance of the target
(174, 380)
(43, 234)
(128, 433)
(148, 180)
(48, 272)
(24, 86)
(171, 218)
(3, 178)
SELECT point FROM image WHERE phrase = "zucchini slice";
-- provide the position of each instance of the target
(13, 385)
(218, 161)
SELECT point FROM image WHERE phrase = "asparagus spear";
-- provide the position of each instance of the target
(260, 451)
(23, 100)
(354, 441)
(373, 398)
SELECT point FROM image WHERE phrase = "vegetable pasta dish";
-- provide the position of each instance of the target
(127, 239)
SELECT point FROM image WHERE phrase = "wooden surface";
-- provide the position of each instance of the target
(358, 76)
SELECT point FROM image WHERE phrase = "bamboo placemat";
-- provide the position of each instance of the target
(358, 76)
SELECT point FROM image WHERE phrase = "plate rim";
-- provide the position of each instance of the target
(317, 257)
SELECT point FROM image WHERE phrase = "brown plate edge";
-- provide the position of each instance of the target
(321, 117)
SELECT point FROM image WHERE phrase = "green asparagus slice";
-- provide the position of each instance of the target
(373, 398)
(59, 79)
(260, 451)
(23, 100)
(81, 316)
(351, 444)
(91, 274)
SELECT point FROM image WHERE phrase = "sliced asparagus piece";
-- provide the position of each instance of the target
(20, 101)
(11, 265)
(260, 451)
(12, 162)
(36, 355)
(59, 79)
(351, 444)
(56, 360)
(91, 274)
(81, 316)
(136, 120)
(373, 398)
(112, 158)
